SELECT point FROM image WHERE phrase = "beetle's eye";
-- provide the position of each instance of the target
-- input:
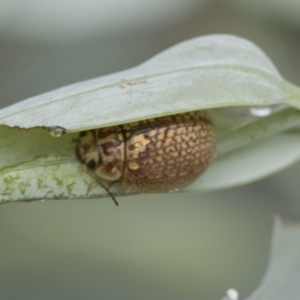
(82, 133)
(91, 164)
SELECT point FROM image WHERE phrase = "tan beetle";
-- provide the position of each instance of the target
(150, 156)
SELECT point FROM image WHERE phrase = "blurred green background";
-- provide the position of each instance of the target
(154, 246)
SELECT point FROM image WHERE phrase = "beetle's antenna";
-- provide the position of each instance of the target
(103, 186)
(109, 193)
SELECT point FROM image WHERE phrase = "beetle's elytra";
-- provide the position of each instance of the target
(150, 156)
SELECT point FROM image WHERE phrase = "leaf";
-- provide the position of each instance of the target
(52, 171)
(282, 278)
(203, 73)
(268, 151)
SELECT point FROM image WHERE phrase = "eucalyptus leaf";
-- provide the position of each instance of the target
(282, 278)
(204, 73)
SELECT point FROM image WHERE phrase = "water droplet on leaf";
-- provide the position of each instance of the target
(261, 111)
(57, 131)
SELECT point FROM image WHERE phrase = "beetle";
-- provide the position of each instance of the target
(156, 155)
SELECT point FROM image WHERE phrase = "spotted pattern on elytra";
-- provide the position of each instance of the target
(167, 153)
(150, 156)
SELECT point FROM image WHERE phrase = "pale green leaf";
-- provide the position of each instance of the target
(281, 281)
(203, 73)
(269, 149)
(35, 165)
